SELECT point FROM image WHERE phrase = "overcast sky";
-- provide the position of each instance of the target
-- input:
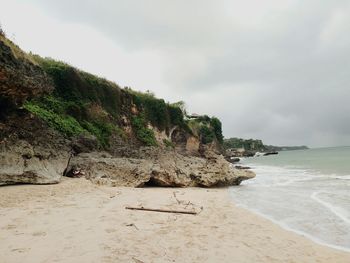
(277, 70)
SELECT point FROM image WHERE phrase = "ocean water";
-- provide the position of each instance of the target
(306, 191)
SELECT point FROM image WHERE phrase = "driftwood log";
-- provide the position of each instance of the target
(162, 210)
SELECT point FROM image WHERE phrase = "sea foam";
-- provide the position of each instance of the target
(303, 199)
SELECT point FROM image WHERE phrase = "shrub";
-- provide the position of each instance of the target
(204, 118)
(168, 143)
(101, 130)
(82, 87)
(70, 118)
(215, 123)
(65, 124)
(156, 110)
(176, 115)
(206, 134)
(142, 133)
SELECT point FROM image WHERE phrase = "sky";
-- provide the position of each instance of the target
(272, 70)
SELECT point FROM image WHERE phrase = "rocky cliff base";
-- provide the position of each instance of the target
(34, 154)
(157, 167)
(23, 163)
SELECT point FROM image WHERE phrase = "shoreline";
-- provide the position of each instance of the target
(77, 221)
(298, 232)
(317, 220)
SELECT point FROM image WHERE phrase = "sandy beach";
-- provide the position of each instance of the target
(77, 221)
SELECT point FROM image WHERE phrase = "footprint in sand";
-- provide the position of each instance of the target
(20, 250)
(110, 230)
(9, 227)
(39, 233)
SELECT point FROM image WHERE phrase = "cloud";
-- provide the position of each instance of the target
(275, 70)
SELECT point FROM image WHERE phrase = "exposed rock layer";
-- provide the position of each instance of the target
(20, 78)
(30, 152)
(160, 168)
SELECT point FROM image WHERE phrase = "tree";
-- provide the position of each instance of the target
(181, 105)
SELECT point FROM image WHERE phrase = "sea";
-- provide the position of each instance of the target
(305, 191)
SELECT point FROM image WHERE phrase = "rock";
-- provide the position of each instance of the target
(270, 153)
(20, 78)
(31, 152)
(161, 168)
(192, 145)
(84, 143)
(22, 163)
(232, 159)
(249, 153)
(242, 167)
(101, 168)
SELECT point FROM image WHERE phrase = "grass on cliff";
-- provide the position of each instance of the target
(16, 51)
(78, 86)
(83, 102)
(64, 123)
(143, 133)
(58, 114)
(159, 113)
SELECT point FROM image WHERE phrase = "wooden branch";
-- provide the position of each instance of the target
(162, 210)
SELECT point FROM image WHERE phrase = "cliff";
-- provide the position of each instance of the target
(52, 114)
(248, 145)
(285, 148)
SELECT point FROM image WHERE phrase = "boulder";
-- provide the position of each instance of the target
(84, 143)
(23, 163)
(31, 152)
(102, 168)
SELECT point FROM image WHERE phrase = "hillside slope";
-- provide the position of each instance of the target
(51, 110)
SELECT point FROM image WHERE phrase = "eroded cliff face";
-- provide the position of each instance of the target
(20, 78)
(30, 152)
(41, 142)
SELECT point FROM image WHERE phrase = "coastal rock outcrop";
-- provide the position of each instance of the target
(160, 168)
(30, 152)
(23, 163)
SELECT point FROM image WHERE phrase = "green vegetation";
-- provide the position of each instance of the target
(206, 134)
(257, 145)
(217, 128)
(63, 123)
(69, 118)
(83, 102)
(80, 87)
(159, 113)
(168, 143)
(143, 133)
(250, 145)
(101, 130)
(206, 128)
